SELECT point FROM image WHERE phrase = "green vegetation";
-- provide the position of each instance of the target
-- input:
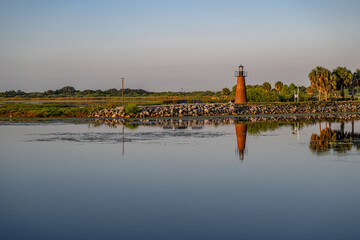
(257, 128)
(266, 87)
(278, 86)
(322, 81)
(257, 94)
(325, 82)
(131, 125)
(265, 93)
(131, 108)
(69, 91)
(225, 92)
(47, 110)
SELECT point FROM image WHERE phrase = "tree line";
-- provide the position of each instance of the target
(325, 82)
(266, 93)
(69, 91)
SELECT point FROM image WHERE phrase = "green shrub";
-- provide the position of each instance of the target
(131, 125)
(257, 95)
(131, 108)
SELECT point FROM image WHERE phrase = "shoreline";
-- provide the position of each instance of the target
(198, 110)
(229, 109)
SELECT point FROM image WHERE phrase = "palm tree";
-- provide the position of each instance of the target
(315, 82)
(266, 87)
(343, 79)
(356, 81)
(322, 80)
(225, 92)
(278, 86)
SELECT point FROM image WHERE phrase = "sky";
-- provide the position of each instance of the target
(164, 45)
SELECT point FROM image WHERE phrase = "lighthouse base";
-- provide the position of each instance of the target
(240, 96)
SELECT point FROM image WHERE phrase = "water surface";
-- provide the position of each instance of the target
(179, 180)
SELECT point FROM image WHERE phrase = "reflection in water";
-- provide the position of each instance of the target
(337, 140)
(328, 138)
(241, 129)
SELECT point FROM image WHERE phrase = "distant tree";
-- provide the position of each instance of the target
(321, 79)
(68, 90)
(88, 92)
(343, 78)
(111, 92)
(98, 93)
(278, 86)
(49, 93)
(11, 93)
(266, 87)
(293, 86)
(225, 92)
(208, 93)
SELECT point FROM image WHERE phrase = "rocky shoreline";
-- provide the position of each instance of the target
(228, 109)
(181, 123)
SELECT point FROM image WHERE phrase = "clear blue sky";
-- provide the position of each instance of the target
(169, 45)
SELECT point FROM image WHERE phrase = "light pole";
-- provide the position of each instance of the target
(122, 90)
(296, 94)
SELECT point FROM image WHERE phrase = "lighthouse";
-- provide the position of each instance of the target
(240, 96)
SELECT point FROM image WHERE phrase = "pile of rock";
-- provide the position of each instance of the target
(221, 109)
(117, 112)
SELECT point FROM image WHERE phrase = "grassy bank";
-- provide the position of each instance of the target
(47, 110)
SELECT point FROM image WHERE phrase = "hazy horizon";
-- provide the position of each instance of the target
(170, 46)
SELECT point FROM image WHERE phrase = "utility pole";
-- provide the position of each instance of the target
(122, 91)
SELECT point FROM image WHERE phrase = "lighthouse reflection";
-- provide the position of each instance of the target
(241, 132)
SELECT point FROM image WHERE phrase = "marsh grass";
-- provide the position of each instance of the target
(48, 110)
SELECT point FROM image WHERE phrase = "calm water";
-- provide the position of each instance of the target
(182, 180)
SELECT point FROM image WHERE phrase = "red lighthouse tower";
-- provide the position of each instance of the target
(240, 96)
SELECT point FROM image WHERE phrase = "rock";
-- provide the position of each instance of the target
(225, 109)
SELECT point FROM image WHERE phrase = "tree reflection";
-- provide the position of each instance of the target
(337, 140)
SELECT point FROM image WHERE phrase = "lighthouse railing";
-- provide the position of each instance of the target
(241, 74)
